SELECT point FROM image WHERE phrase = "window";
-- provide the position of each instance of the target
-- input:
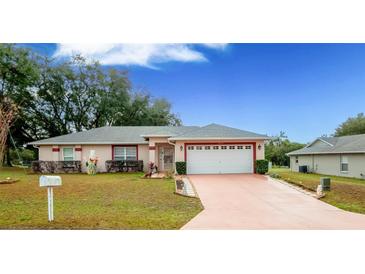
(344, 164)
(190, 148)
(231, 147)
(247, 147)
(239, 147)
(207, 147)
(122, 153)
(68, 154)
(199, 148)
(223, 147)
(296, 159)
(215, 147)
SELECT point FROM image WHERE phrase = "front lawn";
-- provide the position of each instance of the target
(103, 201)
(346, 193)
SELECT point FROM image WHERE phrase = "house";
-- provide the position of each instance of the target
(206, 150)
(339, 156)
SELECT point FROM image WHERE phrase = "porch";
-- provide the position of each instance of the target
(163, 155)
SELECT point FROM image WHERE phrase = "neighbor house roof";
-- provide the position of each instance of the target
(140, 134)
(334, 145)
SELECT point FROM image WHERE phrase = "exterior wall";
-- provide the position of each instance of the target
(260, 153)
(103, 152)
(146, 153)
(356, 165)
(45, 153)
(143, 154)
(55, 153)
(329, 164)
(303, 160)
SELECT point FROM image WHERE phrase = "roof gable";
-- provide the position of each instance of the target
(320, 142)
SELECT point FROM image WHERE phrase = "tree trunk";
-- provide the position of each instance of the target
(8, 162)
(7, 149)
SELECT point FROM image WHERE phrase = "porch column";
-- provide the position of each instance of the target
(152, 153)
(55, 153)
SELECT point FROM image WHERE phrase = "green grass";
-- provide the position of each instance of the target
(346, 193)
(103, 201)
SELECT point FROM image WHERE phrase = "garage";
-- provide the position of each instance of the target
(220, 158)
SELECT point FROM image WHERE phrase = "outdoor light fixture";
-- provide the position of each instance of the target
(181, 148)
(259, 147)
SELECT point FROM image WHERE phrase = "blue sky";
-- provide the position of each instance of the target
(305, 90)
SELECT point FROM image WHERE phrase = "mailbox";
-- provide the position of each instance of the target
(49, 181)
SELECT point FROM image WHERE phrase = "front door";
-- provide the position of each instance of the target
(166, 158)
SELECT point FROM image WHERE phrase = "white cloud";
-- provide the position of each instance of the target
(147, 55)
(220, 46)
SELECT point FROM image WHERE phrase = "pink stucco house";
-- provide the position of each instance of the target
(209, 149)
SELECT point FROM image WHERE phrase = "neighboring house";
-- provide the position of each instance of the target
(209, 149)
(340, 156)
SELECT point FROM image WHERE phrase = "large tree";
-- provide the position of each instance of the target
(56, 97)
(352, 126)
(277, 148)
(18, 73)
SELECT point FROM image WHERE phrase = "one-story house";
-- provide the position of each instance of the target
(210, 149)
(339, 156)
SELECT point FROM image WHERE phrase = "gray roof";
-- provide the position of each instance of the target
(334, 145)
(138, 134)
(215, 131)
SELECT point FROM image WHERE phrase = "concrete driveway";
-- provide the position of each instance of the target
(241, 201)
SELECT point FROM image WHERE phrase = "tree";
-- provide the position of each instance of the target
(58, 97)
(352, 126)
(8, 112)
(277, 148)
(17, 75)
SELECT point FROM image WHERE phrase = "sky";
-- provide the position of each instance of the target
(304, 90)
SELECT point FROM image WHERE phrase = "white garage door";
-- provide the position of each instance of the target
(216, 159)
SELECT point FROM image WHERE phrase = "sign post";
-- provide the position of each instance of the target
(50, 182)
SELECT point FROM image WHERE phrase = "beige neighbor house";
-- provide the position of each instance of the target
(339, 156)
(211, 149)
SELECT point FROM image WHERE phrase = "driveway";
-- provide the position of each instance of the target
(241, 201)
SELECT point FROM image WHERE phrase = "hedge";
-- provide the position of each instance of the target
(262, 166)
(181, 168)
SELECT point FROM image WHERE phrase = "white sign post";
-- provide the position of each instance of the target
(50, 182)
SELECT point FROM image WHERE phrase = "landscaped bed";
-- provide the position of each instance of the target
(103, 201)
(346, 193)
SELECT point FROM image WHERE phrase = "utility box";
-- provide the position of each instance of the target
(49, 181)
(326, 183)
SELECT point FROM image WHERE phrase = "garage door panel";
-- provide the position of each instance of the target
(213, 161)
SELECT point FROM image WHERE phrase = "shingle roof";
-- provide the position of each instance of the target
(215, 131)
(335, 145)
(137, 134)
(113, 135)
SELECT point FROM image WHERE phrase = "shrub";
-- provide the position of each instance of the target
(26, 156)
(181, 168)
(262, 166)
